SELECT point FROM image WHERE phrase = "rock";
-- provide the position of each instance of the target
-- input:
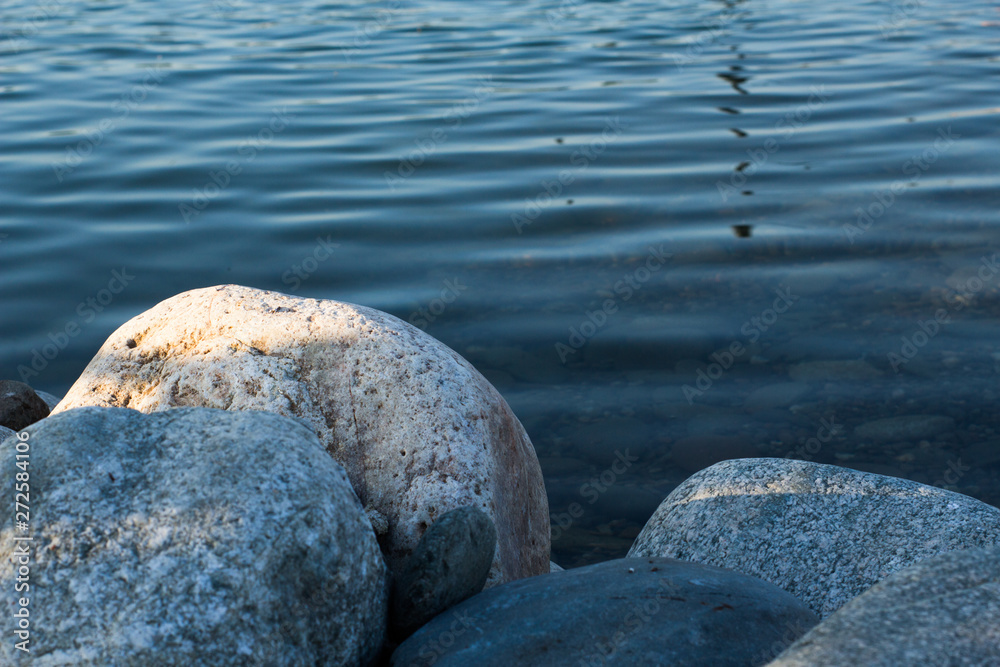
(697, 452)
(824, 533)
(555, 567)
(192, 536)
(418, 429)
(634, 612)
(450, 564)
(837, 370)
(50, 400)
(909, 428)
(20, 405)
(941, 611)
(6, 433)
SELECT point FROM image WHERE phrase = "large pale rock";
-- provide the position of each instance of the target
(824, 533)
(631, 612)
(418, 429)
(189, 537)
(942, 611)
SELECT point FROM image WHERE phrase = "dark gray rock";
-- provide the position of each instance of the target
(20, 405)
(824, 533)
(451, 563)
(942, 611)
(190, 537)
(633, 611)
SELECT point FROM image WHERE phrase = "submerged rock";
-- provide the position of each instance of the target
(823, 533)
(944, 610)
(20, 405)
(910, 428)
(193, 536)
(631, 612)
(450, 564)
(419, 430)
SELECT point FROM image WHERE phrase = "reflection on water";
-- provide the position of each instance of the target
(668, 233)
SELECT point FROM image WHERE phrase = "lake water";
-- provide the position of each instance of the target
(669, 233)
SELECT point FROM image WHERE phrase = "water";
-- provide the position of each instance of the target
(591, 201)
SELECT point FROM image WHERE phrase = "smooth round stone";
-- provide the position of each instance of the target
(418, 430)
(824, 533)
(20, 406)
(449, 565)
(634, 611)
(944, 610)
(190, 537)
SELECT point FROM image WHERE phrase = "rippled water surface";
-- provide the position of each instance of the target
(669, 233)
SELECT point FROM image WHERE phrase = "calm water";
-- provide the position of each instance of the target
(669, 233)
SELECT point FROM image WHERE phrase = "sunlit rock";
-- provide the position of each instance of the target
(418, 429)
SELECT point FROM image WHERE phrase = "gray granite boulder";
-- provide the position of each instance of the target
(20, 405)
(631, 612)
(942, 611)
(417, 428)
(189, 537)
(6, 433)
(450, 564)
(824, 533)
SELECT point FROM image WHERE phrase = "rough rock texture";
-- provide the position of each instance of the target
(942, 611)
(630, 612)
(418, 429)
(190, 537)
(450, 564)
(20, 405)
(6, 433)
(823, 533)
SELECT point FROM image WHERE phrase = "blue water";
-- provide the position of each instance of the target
(669, 233)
